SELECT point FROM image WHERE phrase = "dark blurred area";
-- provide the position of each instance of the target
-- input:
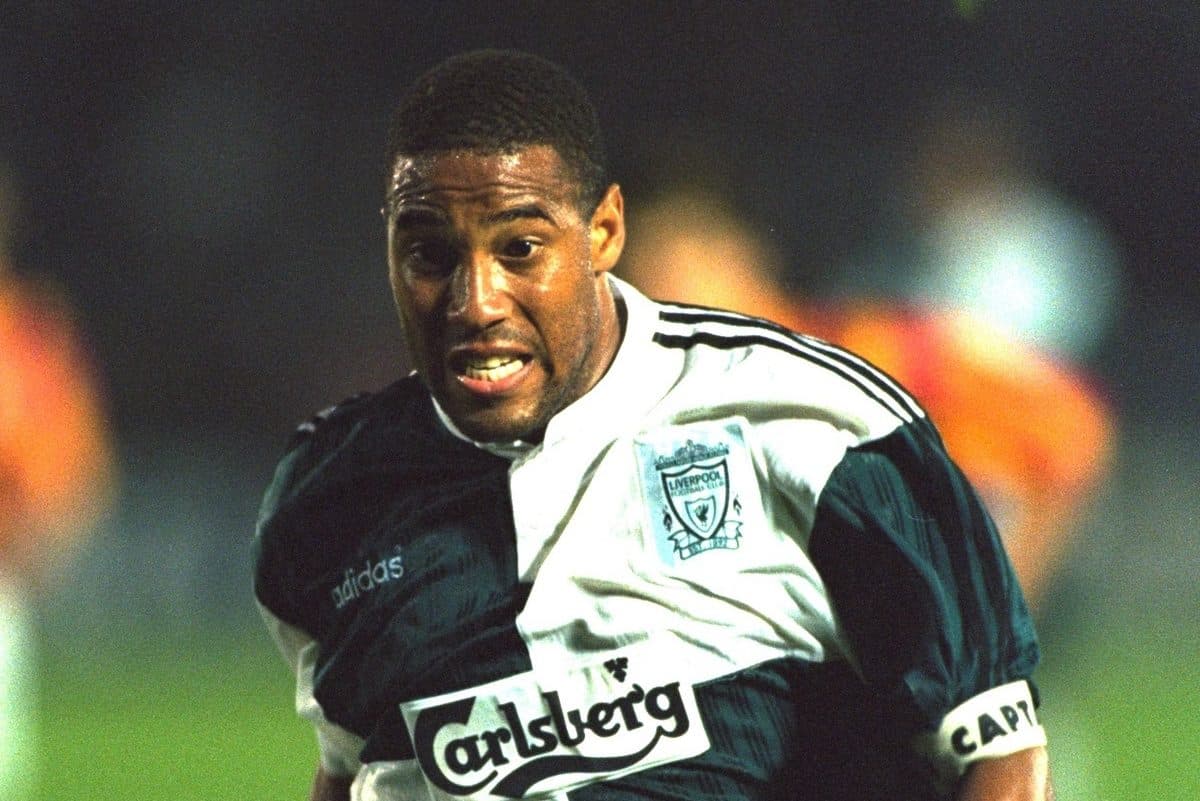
(205, 181)
(202, 181)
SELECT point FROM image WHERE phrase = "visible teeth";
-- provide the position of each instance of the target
(493, 368)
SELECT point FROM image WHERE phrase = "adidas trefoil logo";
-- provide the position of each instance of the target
(618, 667)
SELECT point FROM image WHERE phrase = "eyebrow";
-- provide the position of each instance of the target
(415, 217)
(430, 217)
(527, 211)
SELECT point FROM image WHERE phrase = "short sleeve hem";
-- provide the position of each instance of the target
(995, 723)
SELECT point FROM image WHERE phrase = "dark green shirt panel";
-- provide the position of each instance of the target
(391, 543)
(918, 575)
(786, 729)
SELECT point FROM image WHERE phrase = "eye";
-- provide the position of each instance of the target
(520, 248)
(430, 256)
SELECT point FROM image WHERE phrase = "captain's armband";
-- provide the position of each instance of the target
(995, 723)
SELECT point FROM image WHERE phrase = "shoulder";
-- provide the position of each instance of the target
(312, 443)
(405, 400)
(333, 465)
(751, 361)
(398, 419)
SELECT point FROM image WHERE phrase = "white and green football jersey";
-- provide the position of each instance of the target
(741, 567)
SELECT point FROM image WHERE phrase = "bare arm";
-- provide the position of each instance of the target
(1022, 776)
(330, 788)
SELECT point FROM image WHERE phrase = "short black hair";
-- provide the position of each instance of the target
(496, 101)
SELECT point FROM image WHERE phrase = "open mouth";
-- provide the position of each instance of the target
(491, 368)
(490, 372)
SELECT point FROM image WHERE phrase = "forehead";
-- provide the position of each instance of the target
(466, 176)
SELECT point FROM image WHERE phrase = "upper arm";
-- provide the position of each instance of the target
(929, 601)
(916, 570)
(328, 787)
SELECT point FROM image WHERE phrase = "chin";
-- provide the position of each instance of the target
(492, 425)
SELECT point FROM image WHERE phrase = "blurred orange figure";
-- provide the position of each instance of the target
(55, 457)
(56, 482)
(1030, 432)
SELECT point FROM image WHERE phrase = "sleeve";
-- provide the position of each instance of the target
(278, 570)
(338, 748)
(281, 558)
(929, 601)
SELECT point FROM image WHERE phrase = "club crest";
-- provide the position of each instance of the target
(699, 515)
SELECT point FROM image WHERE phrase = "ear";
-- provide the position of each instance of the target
(608, 230)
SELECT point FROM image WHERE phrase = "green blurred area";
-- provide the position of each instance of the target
(210, 716)
(1120, 708)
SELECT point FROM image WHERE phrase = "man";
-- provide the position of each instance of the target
(597, 547)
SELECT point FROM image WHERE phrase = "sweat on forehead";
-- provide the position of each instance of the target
(536, 171)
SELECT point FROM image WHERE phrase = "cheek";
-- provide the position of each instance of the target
(415, 299)
(577, 320)
(416, 311)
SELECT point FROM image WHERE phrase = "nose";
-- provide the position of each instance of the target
(478, 292)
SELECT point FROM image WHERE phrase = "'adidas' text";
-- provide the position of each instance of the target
(356, 583)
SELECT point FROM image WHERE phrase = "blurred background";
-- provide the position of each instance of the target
(190, 209)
